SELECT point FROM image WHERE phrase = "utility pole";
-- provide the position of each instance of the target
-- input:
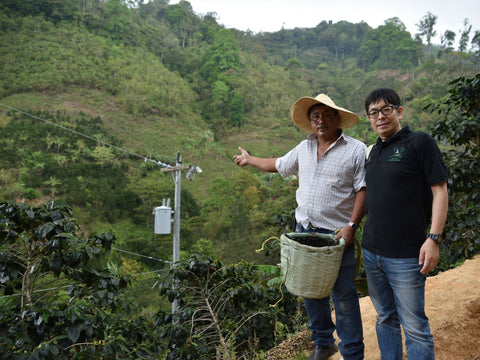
(176, 220)
(176, 210)
(192, 170)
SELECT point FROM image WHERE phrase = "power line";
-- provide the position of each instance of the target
(132, 275)
(140, 255)
(192, 170)
(36, 291)
(159, 163)
(67, 286)
(149, 272)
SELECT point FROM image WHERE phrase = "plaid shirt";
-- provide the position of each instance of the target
(327, 187)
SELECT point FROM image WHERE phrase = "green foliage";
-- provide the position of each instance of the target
(426, 27)
(223, 310)
(180, 17)
(388, 46)
(84, 314)
(203, 248)
(222, 56)
(464, 36)
(30, 194)
(219, 65)
(54, 10)
(237, 109)
(46, 63)
(118, 15)
(459, 130)
(154, 79)
(39, 149)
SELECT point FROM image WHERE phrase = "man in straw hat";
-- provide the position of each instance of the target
(330, 196)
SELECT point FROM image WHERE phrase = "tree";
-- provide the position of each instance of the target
(388, 46)
(53, 182)
(63, 307)
(103, 155)
(57, 10)
(426, 25)
(236, 109)
(459, 130)
(179, 17)
(217, 208)
(222, 56)
(447, 40)
(118, 18)
(476, 43)
(219, 64)
(293, 66)
(464, 36)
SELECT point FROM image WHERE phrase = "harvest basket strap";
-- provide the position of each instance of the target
(283, 278)
(265, 243)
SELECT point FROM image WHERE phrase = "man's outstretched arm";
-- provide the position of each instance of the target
(265, 164)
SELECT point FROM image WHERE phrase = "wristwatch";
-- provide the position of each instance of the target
(353, 225)
(437, 238)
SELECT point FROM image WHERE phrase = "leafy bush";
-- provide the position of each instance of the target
(85, 313)
(30, 194)
(224, 310)
(459, 130)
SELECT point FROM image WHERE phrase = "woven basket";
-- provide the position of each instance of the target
(310, 271)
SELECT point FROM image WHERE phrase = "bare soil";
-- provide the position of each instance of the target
(452, 305)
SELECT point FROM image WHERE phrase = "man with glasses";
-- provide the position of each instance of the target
(330, 196)
(406, 196)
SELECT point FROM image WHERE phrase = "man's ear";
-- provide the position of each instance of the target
(400, 112)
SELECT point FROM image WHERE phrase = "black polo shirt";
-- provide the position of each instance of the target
(399, 174)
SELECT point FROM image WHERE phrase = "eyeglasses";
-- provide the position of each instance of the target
(386, 110)
(316, 116)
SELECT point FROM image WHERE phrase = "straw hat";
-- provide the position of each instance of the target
(299, 112)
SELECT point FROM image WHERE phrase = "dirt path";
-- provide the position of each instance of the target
(453, 307)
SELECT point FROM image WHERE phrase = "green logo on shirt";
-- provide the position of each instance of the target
(397, 154)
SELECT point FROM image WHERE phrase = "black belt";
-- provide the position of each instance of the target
(313, 228)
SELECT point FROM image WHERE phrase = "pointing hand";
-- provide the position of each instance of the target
(242, 159)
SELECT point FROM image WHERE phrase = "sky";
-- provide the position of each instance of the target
(272, 15)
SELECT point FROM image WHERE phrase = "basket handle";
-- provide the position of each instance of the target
(265, 243)
(283, 277)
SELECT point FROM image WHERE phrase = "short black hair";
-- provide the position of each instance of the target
(390, 97)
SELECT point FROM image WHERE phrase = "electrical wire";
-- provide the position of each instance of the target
(67, 286)
(159, 163)
(140, 255)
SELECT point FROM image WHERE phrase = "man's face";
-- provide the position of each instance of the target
(385, 125)
(324, 121)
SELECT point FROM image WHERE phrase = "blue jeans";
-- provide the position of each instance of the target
(347, 309)
(397, 290)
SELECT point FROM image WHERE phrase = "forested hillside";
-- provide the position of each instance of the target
(97, 97)
(154, 79)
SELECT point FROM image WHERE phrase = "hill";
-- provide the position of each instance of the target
(452, 305)
(154, 79)
(97, 97)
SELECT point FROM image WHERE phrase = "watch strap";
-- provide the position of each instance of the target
(437, 238)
